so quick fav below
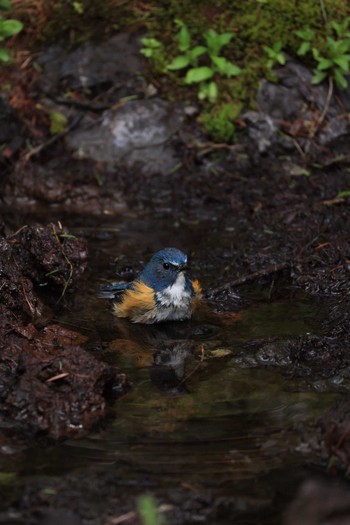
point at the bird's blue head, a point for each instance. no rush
(164, 268)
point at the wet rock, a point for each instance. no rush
(115, 64)
(137, 135)
(276, 353)
(286, 99)
(261, 129)
(319, 503)
(260, 353)
(264, 135)
(296, 106)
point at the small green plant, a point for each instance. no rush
(204, 75)
(343, 194)
(275, 55)
(150, 46)
(78, 8)
(8, 27)
(333, 61)
(154, 51)
(148, 510)
(307, 36)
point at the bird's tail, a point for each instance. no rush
(110, 291)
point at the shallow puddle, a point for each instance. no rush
(198, 416)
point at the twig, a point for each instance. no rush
(326, 106)
(324, 12)
(51, 141)
(66, 283)
(58, 376)
(31, 307)
(251, 276)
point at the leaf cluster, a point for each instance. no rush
(214, 65)
(204, 63)
(334, 60)
(8, 27)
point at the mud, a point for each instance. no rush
(50, 385)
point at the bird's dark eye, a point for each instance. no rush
(166, 266)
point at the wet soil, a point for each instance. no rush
(50, 386)
(228, 413)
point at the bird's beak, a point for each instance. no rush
(182, 267)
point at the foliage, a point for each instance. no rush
(8, 27)
(154, 50)
(275, 55)
(148, 511)
(58, 122)
(204, 74)
(333, 60)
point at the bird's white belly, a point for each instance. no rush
(174, 302)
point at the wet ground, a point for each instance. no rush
(222, 421)
(233, 417)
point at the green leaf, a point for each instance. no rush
(152, 43)
(196, 52)
(304, 48)
(316, 54)
(225, 67)
(146, 52)
(203, 91)
(58, 122)
(148, 510)
(220, 63)
(225, 38)
(306, 34)
(343, 62)
(281, 59)
(4, 55)
(179, 63)
(5, 5)
(318, 77)
(10, 27)
(212, 91)
(324, 63)
(213, 42)
(198, 74)
(342, 194)
(277, 46)
(184, 37)
(78, 7)
(340, 80)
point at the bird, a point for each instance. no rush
(163, 291)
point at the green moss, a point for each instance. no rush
(83, 20)
(218, 121)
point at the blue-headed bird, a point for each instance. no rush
(163, 291)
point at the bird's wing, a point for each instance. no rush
(111, 291)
